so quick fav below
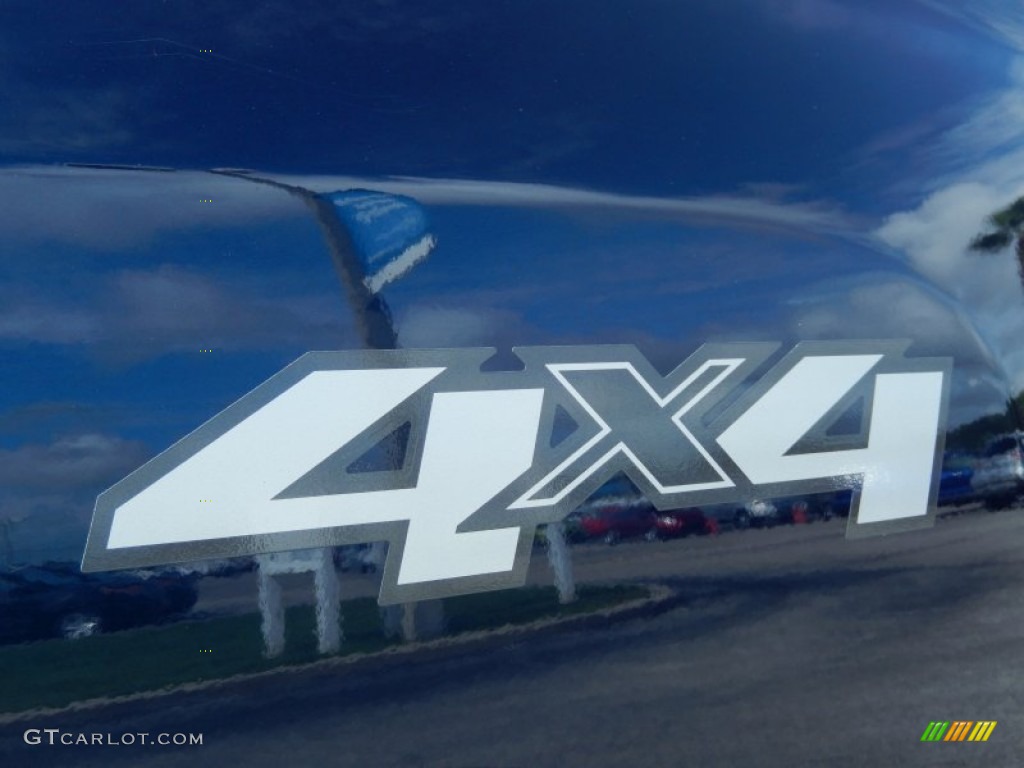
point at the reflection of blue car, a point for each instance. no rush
(956, 486)
(56, 599)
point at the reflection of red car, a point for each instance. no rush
(681, 522)
(617, 522)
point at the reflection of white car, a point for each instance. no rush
(78, 625)
(999, 473)
(756, 513)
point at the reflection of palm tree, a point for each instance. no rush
(1007, 226)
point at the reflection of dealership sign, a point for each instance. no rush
(456, 466)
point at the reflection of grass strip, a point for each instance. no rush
(490, 610)
(54, 673)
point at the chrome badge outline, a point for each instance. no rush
(696, 436)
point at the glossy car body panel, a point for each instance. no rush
(661, 175)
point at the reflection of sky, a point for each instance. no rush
(665, 98)
(657, 174)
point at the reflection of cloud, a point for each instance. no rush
(994, 126)
(361, 23)
(37, 320)
(945, 139)
(815, 15)
(116, 209)
(45, 413)
(70, 463)
(997, 18)
(935, 238)
(142, 313)
(894, 144)
(433, 326)
(120, 209)
(886, 24)
(884, 307)
(983, 158)
(62, 120)
(48, 490)
(735, 209)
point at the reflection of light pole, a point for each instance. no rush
(560, 561)
(377, 331)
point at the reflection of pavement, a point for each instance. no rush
(593, 562)
(789, 647)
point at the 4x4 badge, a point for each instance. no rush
(475, 459)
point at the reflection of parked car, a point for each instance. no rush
(817, 506)
(756, 514)
(219, 569)
(613, 523)
(56, 599)
(836, 504)
(792, 509)
(674, 523)
(572, 529)
(999, 473)
(356, 557)
(956, 485)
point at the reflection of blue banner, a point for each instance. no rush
(390, 232)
